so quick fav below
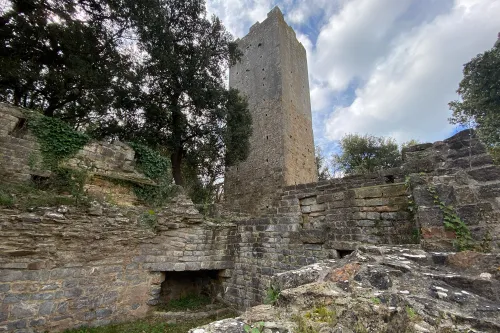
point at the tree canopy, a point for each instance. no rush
(149, 71)
(366, 153)
(479, 91)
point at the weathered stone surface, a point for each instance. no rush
(422, 297)
(282, 145)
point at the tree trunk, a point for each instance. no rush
(177, 130)
(176, 159)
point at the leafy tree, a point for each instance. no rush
(61, 57)
(367, 153)
(410, 143)
(147, 71)
(321, 164)
(180, 101)
(479, 91)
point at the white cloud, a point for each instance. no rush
(354, 39)
(407, 92)
(385, 67)
(239, 15)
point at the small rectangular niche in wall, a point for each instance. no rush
(344, 253)
(178, 285)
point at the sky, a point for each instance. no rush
(379, 67)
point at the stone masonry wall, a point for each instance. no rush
(317, 221)
(20, 155)
(272, 74)
(463, 174)
(65, 267)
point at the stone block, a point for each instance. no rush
(488, 191)
(317, 208)
(312, 236)
(365, 223)
(308, 201)
(489, 173)
(46, 308)
(394, 190)
(180, 267)
(372, 215)
(23, 310)
(7, 275)
(103, 313)
(368, 192)
(430, 216)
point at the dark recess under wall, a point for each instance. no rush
(187, 283)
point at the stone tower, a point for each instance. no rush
(273, 75)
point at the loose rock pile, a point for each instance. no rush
(381, 289)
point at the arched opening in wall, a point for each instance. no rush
(260, 44)
(202, 285)
(389, 179)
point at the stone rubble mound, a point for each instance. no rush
(381, 289)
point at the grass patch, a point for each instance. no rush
(150, 325)
(29, 195)
(189, 302)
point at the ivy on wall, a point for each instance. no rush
(453, 222)
(58, 141)
(156, 167)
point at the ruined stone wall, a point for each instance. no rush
(20, 156)
(272, 74)
(317, 221)
(66, 267)
(464, 177)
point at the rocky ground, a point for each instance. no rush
(381, 289)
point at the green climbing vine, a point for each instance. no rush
(412, 209)
(58, 142)
(57, 139)
(453, 222)
(156, 167)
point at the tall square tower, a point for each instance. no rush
(273, 75)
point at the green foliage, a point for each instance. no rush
(150, 325)
(302, 326)
(412, 209)
(367, 153)
(273, 293)
(58, 142)
(188, 302)
(150, 219)
(156, 167)
(453, 222)
(479, 104)
(61, 57)
(321, 165)
(166, 88)
(179, 99)
(254, 328)
(376, 300)
(6, 199)
(57, 139)
(29, 196)
(411, 313)
(322, 314)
